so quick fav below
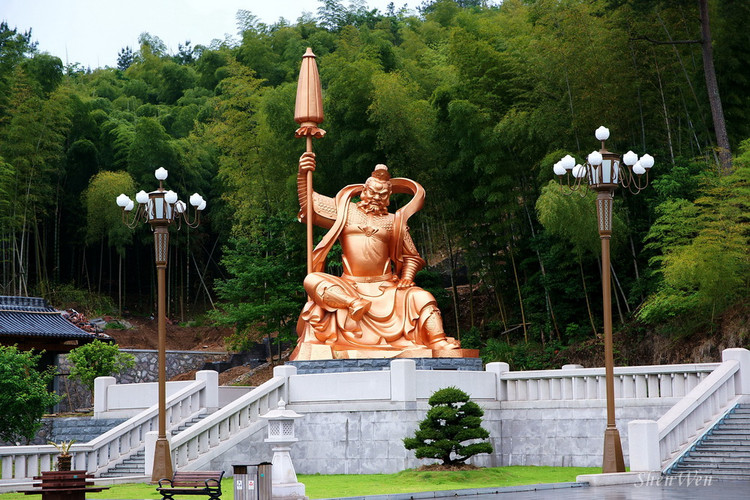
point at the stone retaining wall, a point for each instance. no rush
(145, 370)
(333, 440)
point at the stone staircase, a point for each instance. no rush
(80, 429)
(723, 452)
(135, 464)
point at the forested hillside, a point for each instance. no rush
(475, 102)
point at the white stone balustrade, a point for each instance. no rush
(196, 446)
(631, 382)
(96, 456)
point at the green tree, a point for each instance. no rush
(104, 218)
(24, 396)
(451, 420)
(701, 250)
(98, 359)
(263, 296)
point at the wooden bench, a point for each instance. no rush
(64, 485)
(192, 483)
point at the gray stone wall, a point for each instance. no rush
(336, 441)
(377, 364)
(145, 370)
(81, 429)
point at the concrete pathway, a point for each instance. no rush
(695, 489)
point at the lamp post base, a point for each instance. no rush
(162, 461)
(613, 461)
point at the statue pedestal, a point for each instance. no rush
(379, 364)
(308, 352)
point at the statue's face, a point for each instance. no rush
(376, 194)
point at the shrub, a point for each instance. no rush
(451, 420)
(97, 359)
(24, 397)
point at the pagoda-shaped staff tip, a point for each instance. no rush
(308, 109)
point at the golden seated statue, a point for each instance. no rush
(373, 310)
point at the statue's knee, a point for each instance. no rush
(311, 283)
(423, 299)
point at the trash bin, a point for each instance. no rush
(252, 482)
(264, 484)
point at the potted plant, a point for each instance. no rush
(64, 458)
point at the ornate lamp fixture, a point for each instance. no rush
(160, 209)
(603, 172)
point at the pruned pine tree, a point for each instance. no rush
(451, 421)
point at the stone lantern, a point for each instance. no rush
(281, 436)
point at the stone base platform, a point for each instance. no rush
(307, 351)
(377, 364)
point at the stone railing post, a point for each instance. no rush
(742, 356)
(285, 371)
(643, 444)
(498, 368)
(210, 401)
(101, 385)
(403, 380)
(150, 444)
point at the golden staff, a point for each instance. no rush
(308, 113)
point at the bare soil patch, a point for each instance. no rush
(144, 335)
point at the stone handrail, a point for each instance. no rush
(195, 446)
(102, 453)
(688, 417)
(656, 444)
(658, 381)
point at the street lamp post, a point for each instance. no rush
(603, 171)
(160, 209)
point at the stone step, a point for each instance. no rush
(732, 423)
(189, 424)
(719, 453)
(715, 459)
(728, 426)
(133, 461)
(726, 440)
(720, 449)
(706, 478)
(724, 467)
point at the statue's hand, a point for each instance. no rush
(404, 283)
(307, 162)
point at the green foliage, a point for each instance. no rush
(451, 420)
(104, 216)
(474, 100)
(67, 296)
(24, 397)
(702, 247)
(98, 359)
(63, 447)
(263, 296)
(522, 355)
(471, 339)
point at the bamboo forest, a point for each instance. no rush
(475, 101)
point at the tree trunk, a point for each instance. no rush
(666, 114)
(453, 276)
(520, 298)
(547, 297)
(586, 294)
(119, 284)
(712, 87)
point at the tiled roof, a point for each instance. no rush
(34, 317)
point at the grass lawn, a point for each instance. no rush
(409, 481)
